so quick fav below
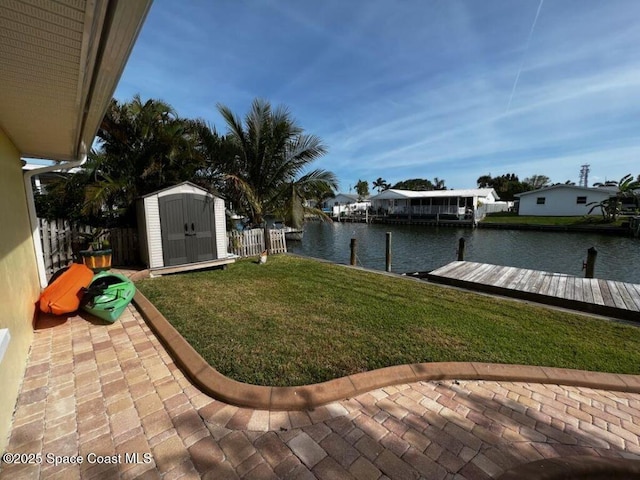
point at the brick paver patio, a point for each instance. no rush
(102, 393)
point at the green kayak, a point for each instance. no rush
(108, 295)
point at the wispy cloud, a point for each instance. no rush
(414, 88)
(526, 49)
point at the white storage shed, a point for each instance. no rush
(182, 228)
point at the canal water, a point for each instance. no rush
(423, 248)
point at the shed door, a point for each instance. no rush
(174, 229)
(188, 234)
(201, 245)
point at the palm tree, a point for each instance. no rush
(144, 146)
(438, 184)
(266, 174)
(611, 207)
(380, 184)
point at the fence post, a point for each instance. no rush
(590, 265)
(353, 251)
(388, 253)
(267, 238)
(461, 249)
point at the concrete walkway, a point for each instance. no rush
(102, 393)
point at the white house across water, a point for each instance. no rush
(562, 200)
(445, 204)
(345, 204)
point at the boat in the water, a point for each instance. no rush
(108, 295)
(65, 290)
(291, 233)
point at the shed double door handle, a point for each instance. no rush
(186, 229)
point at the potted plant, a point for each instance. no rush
(97, 256)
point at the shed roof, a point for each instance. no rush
(61, 62)
(177, 185)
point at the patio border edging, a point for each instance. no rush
(221, 387)
(579, 466)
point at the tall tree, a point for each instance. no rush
(142, 146)
(537, 181)
(417, 184)
(362, 189)
(506, 185)
(267, 174)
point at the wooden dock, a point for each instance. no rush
(602, 297)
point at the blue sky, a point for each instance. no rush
(413, 89)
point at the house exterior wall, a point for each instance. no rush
(560, 202)
(19, 281)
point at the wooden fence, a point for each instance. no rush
(250, 243)
(56, 237)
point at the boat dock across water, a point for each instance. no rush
(592, 295)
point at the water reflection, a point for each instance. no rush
(421, 248)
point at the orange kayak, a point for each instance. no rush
(63, 295)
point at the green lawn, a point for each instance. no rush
(514, 218)
(295, 321)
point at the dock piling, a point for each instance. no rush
(388, 253)
(590, 264)
(461, 249)
(353, 251)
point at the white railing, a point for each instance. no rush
(250, 243)
(434, 210)
(425, 210)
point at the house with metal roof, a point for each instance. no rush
(426, 204)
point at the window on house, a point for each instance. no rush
(581, 200)
(540, 200)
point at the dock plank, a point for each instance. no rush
(476, 272)
(635, 298)
(553, 285)
(539, 280)
(517, 278)
(562, 285)
(546, 283)
(577, 291)
(605, 292)
(617, 297)
(521, 285)
(457, 268)
(636, 292)
(495, 274)
(447, 269)
(587, 292)
(569, 289)
(626, 298)
(597, 295)
(509, 273)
